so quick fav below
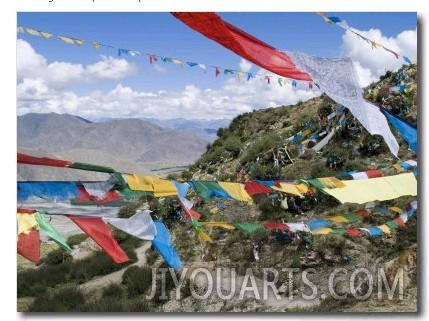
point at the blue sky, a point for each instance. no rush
(55, 76)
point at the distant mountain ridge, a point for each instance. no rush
(204, 128)
(128, 140)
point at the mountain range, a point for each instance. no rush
(123, 144)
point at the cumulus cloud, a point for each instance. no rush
(372, 62)
(28, 62)
(64, 75)
(245, 65)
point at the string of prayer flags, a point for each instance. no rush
(154, 58)
(343, 24)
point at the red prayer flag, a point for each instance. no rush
(253, 188)
(362, 213)
(372, 173)
(25, 210)
(110, 196)
(45, 161)
(276, 225)
(102, 235)
(213, 27)
(191, 213)
(352, 232)
(399, 221)
(217, 72)
(28, 246)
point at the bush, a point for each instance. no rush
(56, 257)
(187, 175)
(99, 263)
(261, 146)
(113, 290)
(137, 280)
(269, 208)
(76, 239)
(65, 300)
(321, 170)
(334, 242)
(34, 282)
(264, 172)
(325, 110)
(232, 145)
(260, 235)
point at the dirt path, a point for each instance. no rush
(116, 277)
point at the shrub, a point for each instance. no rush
(65, 300)
(187, 175)
(137, 280)
(34, 282)
(99, 263)
(334, 242)
(269, 208)
(264, 172)
(113, 290)
(233, 145)
(76, 239)
(325, 110)
(260, 235)
(56, 257)
(321, 170)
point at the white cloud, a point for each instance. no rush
(44, 87)
(64, 75)
(110, 68)
(28, 62)
(372, 62)
(245, 65)
(159, 68)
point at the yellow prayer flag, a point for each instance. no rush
(338, 219)
(396, 209)
(323, 230)
(380, 188)
(240, 74)
(202, 236)
(164, 187)
(236, 191)
(218, 224)
(26, 222)
(138, 182)
(46, 35)
(288, 189)
(66, 39)
(32, 32)
(384, 228)
(331, 182)
(302, 188)
(179, 62)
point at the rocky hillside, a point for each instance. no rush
(245, 151)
